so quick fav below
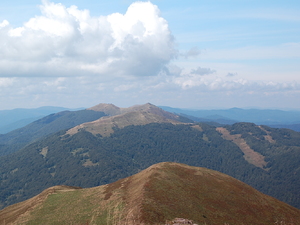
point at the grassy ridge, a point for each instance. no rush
(160, 193)
(84, 206)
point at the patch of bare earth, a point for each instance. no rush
(250, 155)
(44, 152)
(134, 187)
(267, 137)
(197, 127)
(89, 163)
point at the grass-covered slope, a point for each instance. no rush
(123, 117)
(156, 195)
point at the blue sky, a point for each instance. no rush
(187, 54)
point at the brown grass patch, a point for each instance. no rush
(250, 155)
(268, 137)
(161, 193)
(105, 125)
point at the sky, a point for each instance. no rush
(198, 54)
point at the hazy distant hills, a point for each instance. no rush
(156, 195)
(52, 123)
(104, 149)
(274, 118)
(16, 118)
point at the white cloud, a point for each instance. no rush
(66, 57)
(6, 82)
(202, 71)
(201, 83)
(4, 23)
(69, 42)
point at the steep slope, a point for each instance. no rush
(156, 195)
(250, 155)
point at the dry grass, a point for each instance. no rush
(22, 210)
(268, 137)
(250, 155)
(158, 194)
(105, 125)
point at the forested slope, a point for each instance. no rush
(88, 160)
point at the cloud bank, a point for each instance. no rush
(69, 42)
(66, 57)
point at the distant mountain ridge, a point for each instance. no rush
(234, 115)
(156, 195)
(52, 123)
(16, 118)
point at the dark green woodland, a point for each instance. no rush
(88, 160)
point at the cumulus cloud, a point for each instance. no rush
(202, 71)
(217, 84)
(68, 41)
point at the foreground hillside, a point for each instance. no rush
(156, 195)
(130, 140)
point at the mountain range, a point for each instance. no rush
(164, 193)
(273, 118)
(16, 139)
(105, 143)
(17, 118)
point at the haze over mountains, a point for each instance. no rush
(273, 118)
(105, 143)
(17, 118)
(52, 123)
(156, 195)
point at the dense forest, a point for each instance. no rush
(88, 160)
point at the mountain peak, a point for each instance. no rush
(122, 117)
(112, 110)
(108, 109)
(168, 190)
